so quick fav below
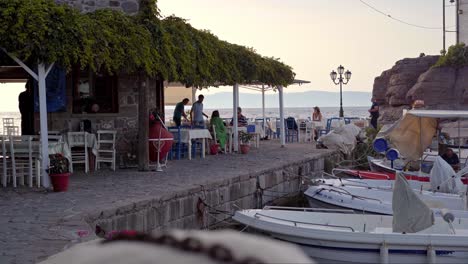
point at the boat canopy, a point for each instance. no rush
(439, 113)
(414, 132)
(410, 213)
(412, 135)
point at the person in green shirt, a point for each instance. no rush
(220, 129)
(179, 112)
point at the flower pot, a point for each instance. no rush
(214, 149)
(244, 148)
(60, 181)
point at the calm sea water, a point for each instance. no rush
(299, 112)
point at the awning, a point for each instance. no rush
(175, 93)
(439, 113)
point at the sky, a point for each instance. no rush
(313, 37)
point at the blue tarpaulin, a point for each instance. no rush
(55, 91)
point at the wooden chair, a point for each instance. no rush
(106, 148)
(25, 160)
(78, 143)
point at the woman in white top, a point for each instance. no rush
(317, 120)
(317, 115)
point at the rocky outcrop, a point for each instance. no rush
(412, 79)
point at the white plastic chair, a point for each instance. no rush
(11, 130)
(7, 122)
(78, 143)
(106, 148)
(5, 163)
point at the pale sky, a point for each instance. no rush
(312, 36)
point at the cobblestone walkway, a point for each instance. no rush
(35, 224)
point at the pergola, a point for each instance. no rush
(41, 75)
(263, 88)
(163, 49)
(260, 87)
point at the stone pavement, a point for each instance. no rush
(35, 224)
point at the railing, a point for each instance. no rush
(304, 223)
(306, 209)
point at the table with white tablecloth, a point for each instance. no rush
(186, 136)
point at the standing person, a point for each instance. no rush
(220, 129)
(179, 112)
(196, 113)
(374, 111)
(26, 107)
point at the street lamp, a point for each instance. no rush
(341, 81)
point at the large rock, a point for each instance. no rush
(413, 79)
(392, 86)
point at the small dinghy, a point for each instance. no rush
(375, 196)
(370, 196)
(412, 235)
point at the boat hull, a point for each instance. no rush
(368, 198)
(329, 243)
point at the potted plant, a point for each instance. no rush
(59, 172)
(244, 139)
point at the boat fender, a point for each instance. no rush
(447, 215)
(380, 145)
(392, 154)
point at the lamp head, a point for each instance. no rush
(340, 69)
(333, 75)
(347, 75)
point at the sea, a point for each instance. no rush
(250, 113)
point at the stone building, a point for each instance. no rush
(127, 6)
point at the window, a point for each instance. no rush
(94, 92)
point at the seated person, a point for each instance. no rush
(220, 129)
(451, 158)
(241, 119)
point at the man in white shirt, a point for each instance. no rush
(196, 113)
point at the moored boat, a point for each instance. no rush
(375, 196)
(357, 238)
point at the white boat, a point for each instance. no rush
(358, 238)
(375, 196)
(444, 191)
(411, 235)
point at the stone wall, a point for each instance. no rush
(128, 6)
(194, 207)
(125, 122)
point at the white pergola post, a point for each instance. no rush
(40, 77)
(263, 107)
(42, 74)
(281, 106)
(235, 130)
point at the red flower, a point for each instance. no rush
(152, 117)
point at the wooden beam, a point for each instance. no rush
(143, 122)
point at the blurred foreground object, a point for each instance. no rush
(181, 247)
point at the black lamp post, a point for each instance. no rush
(340, 81)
